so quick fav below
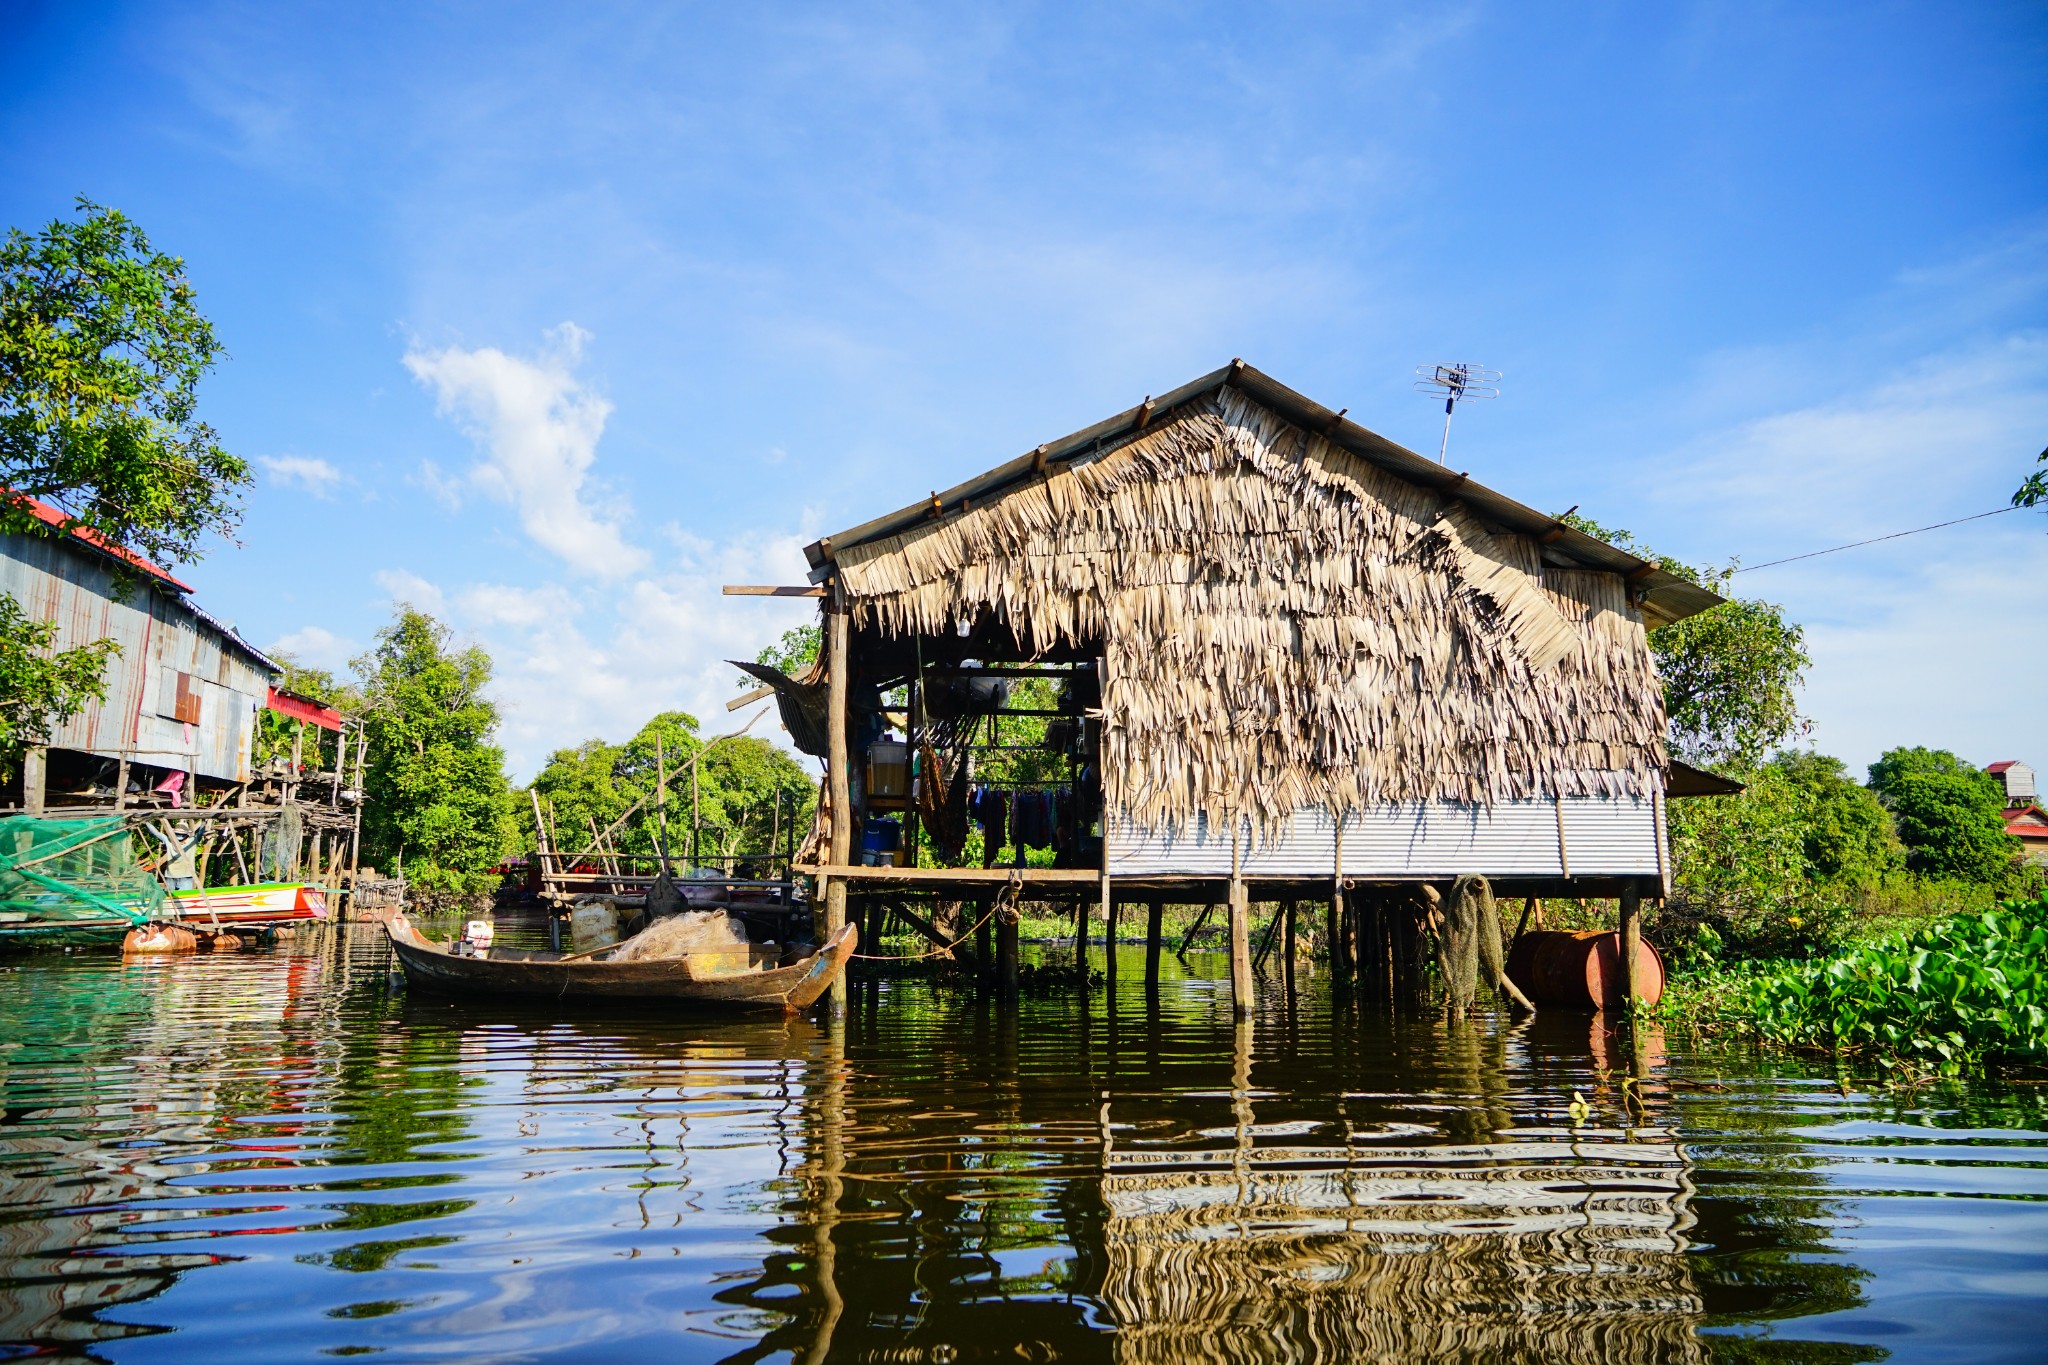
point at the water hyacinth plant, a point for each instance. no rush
(1943, 998)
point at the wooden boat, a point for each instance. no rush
(760, 976)
(258, 903)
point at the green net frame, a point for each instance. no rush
(58, 872)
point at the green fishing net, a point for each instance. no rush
(59, 873)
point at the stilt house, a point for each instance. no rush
(1302, 650)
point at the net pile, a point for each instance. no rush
(710, 931)
(60, 873)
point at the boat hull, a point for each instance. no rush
(727, 981)
(263, 903)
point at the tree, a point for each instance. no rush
(1849, 835)
(40, 690)
(276, 731)
(1950, 814)
(2033, 490)
(101, 353)
(796, 651)
(436, 790)
(1731, 674)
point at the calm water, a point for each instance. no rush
(272, 1157)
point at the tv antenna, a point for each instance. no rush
(1455, 384)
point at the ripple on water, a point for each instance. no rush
(269, 1156)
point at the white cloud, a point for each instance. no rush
(402, 585)
(538, 426)
(316, 646)
(314, 475)
(573, 663)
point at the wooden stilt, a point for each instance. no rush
(839, 786)
(1110, 906)
(1006, 955)
(1341, 960)
(1287, 944)
(1240, 934)
(1631, 943)
(1155, 910)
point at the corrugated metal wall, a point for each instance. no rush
(1594, 836)
(159, 640)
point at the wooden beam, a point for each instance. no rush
(933, 876)
(758, 590)
(748, 700)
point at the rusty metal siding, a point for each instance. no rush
(156, 630)
(1602, 837)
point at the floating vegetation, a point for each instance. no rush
(1941, 999)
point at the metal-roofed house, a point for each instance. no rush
(1296, 654)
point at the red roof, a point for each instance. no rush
(303, 708)
(2001, 765)
(2027, 822)
(50, 516)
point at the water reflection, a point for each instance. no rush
(270, 1157)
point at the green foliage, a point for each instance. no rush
(795, 652)
(738, 781)
(1731, 674)
(41, 690)
(1949, 814)
(1944, 997)
(101, 354)
(436, 784)
(2033, 490)
(275, 731)
(1849, 834)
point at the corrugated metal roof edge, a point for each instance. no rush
(227, 633)
(1664, 594)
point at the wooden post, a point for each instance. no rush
(121, 785)
(1631, 943)
(1006, 955)
(1109, 909)
(1288, 909)
(1341, 960)
(34, 778)
(838, 775)
(696, 820)
(1240, 930)
(1155, 911)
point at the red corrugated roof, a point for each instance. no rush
(2027, 822)
(303, 708)
(50, 516)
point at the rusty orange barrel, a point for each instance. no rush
(1580, 971)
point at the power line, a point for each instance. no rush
(1815, 554)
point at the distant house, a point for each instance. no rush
(2029, 825)
(2018, 779)
(181, 697)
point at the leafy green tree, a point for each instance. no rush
(437, 793)
(1950, 814)
(101, 353)
(1849, 835)
(1731, 674)
(2033, 490)
(796, 651)
(41, 690)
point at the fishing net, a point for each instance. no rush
(55, 873)
(681, 935)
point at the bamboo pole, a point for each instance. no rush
(1155, 911)
(837, 758)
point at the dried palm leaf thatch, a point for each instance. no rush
(1287, 626)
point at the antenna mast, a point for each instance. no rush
(1455, 384)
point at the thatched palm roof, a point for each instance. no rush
(1292, 615)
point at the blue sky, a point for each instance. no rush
(554, 318)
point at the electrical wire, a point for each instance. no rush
(1815, 554)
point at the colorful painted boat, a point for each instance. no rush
(260, 903)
